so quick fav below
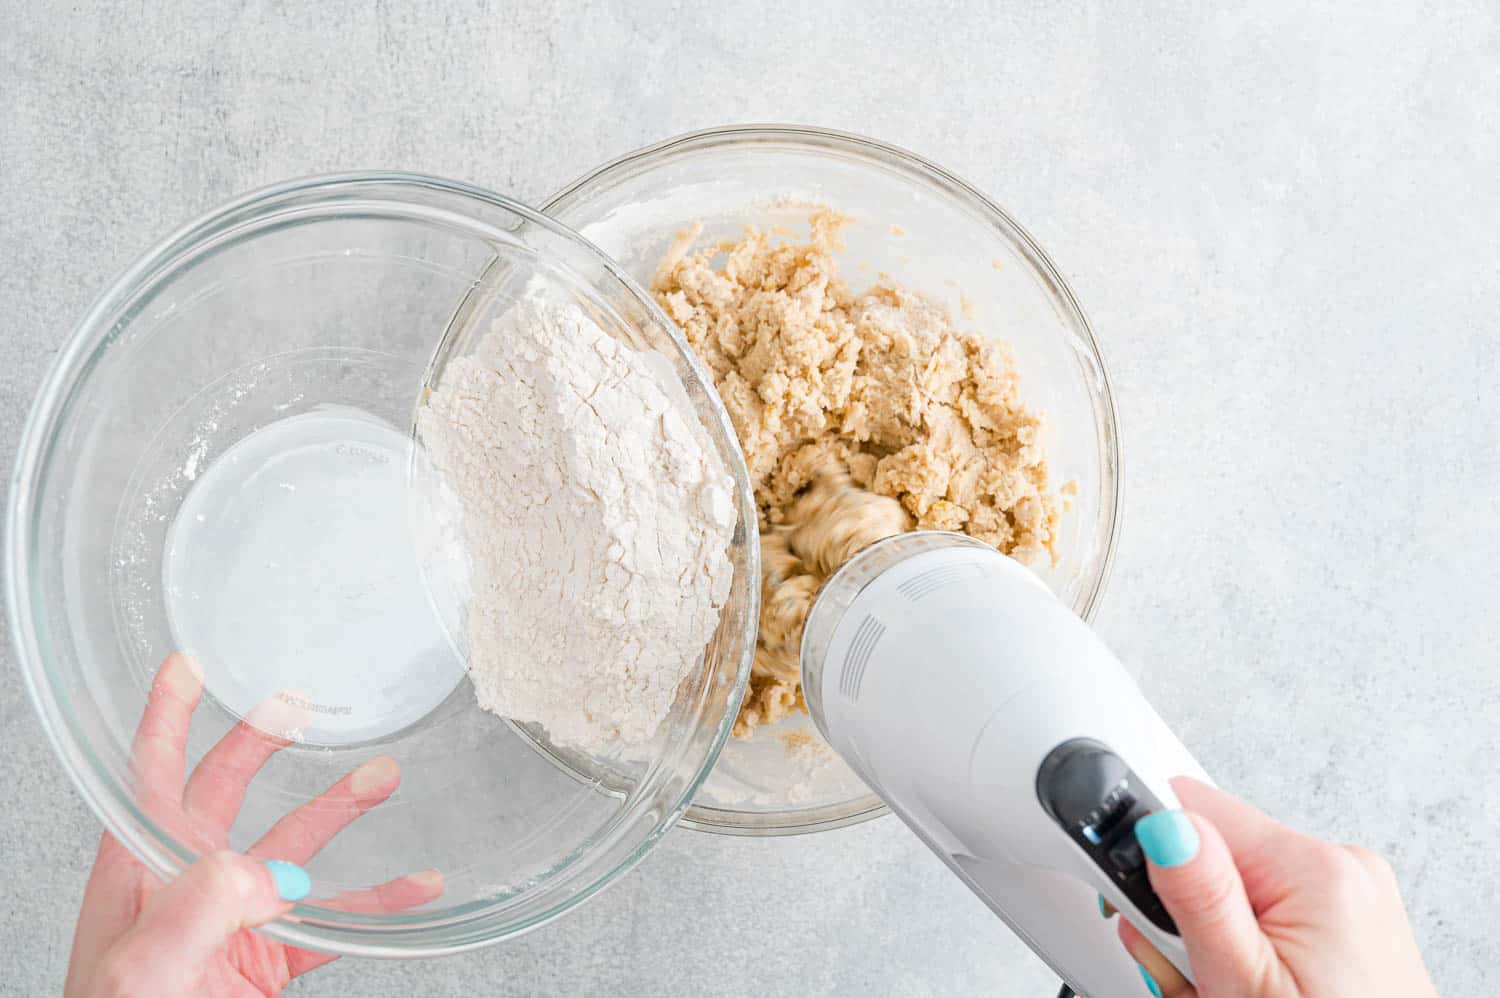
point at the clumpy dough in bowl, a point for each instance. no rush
(861, 415)
(914, 237)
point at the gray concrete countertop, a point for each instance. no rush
(1283, 218)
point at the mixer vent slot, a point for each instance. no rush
(928, 582)
(866, 637)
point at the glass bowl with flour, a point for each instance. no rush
(576, 521)
(222, 462)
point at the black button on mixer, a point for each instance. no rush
(1135, 885)
(1096, 798)
(1126, 854)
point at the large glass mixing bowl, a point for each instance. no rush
(929, 231)
(233, 416)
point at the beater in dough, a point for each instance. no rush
(860, 417)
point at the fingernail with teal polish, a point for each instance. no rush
(1103, 911)
(292, 882)
(1168, 837)
(1150, 981)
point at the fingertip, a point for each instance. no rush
(182, 677)
(191, 664)
(1151, 984)
(292, 881)
(426, 885)
(427, 880)
(1158, 973)
(282, 717)
(159, 748)
(376, 778)
(1190, 782)
(1169, 838)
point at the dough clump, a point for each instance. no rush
(861, 416)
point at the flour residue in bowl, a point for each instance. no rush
(596, 522)
(860, 415)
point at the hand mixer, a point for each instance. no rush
(999, 727)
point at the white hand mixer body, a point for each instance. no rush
(999, 727)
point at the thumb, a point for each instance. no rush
(1194, 874)
(185, 922)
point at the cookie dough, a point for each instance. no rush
(861, 416)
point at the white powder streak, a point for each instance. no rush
(596, 521)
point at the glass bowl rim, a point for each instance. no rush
(75, 361)
(850, 145)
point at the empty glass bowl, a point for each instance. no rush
(216, 463)
(929, 231)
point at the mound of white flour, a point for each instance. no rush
(596, 524)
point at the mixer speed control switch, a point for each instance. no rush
(1126, 853)
(1096, 799)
